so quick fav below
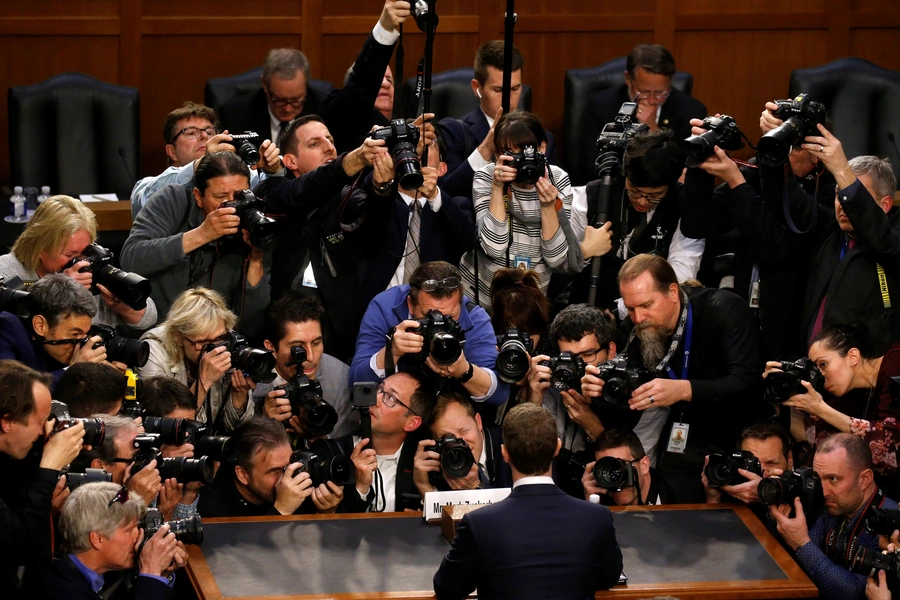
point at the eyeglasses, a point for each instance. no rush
(121, 497)
(192, 133)
(635, 195)
(282, 102)
(430, 285)
(647, 95)
(80, 341)
(120, 459)
(199, 344)
(589, 356)
(390, 400)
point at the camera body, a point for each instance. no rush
(779, 387)
(134, 353)
(401, 138)
(325, 461)
(566, 371)
(178, 431)
(614, 474)
(801, 118)
(246, 145)
(187, 531)
(258, 364)
(262, 230)
(182, 469)
(94, 428)
(13, 297)
(76, 480)
(130, 288)
(529, 165)
(444, 338)
(614, 138)
(620, 379)
(723, 469)
(513, 359)
(721, 131)
(307, 403)
(799, 483)
(456, 456)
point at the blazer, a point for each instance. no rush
(63, 580)
(250, 112)
(537, 543)
(16, 344)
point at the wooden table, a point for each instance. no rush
(112, 216)
(286, 557)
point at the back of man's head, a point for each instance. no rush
(292, 307)
(284, 63)
(186, 111)
(56, 296)
(258, 435)
(434, 271)
(90, 508)
(530, 439)
(879, 170)
(620, 438)
(17, 385)
(652, 159)
(659, 268)
(491, 55)
(859, 456)
(90, 388)
(651, 57)
(579, 320)
(161, 396)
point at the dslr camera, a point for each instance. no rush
(620, 379)
(456, 456)
(182, 469)
(94, 428)
(246, 145)
(723, 470)
(178, 431)
(130, 288)
(529, 165)
(721, 131)
(13, 297)
(134, 353)
(614, 138)
(882, 521)
(868, 561)
(262, 230)
(76, 480)
(615, 474)
(513, 360)
(317, 416)
(444, 338)
(325, 461)
(801, 117)
(187, 531)
(258, 364)
(401, 138)
(779, 387)
(566, 371)
(799, 483)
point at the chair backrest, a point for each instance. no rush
(451, 94)
(580, 84)
(220, 90)
(75, 133)
(863, 100)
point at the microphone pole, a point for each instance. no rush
(509, 23)
(429, 52)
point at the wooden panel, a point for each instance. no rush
(374, 7)
(59, 8)
(876, 45)
(577, 7)
(873, 5)
(765, 7)
(206, 8)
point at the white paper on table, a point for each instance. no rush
(98, 197)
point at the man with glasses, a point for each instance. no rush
(649, 69)
(388, 339)
(649, 486)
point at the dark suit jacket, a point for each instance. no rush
(462, 136)
(538, 543)
(63, 580)
(676, 113)
(16, 344)
(250, 112)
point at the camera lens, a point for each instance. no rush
(130, 288)
(564, 378)
(248, 152)
(217, 447)
(342, 470)
(171, 430)
(94, 431)
(444, 348)
(134, 353)
(74, 480)
(616, 391)
(720, 471)
(775, 146)
(186, 470)
(882, 521)
(407, 168)
(319, 418)
(259, 364)
(612, 473)
(779, 387)
(456, 459)
(188, 531)
(773, 491)
(512, 361)
(698, 148)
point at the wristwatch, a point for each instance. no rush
(384, 189)
(465, 377)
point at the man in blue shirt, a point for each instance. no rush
(844, 463)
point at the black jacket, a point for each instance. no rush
(250, 112)
(63, 580)
(221, 498)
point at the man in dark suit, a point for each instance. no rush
(537, 543)
(648, 81)
(470, 140)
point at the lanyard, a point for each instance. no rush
(835, 548)
(845, 244)
(688, 335)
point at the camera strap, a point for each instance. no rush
(786, 209)
(843, 550)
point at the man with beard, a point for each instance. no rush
(702, 350)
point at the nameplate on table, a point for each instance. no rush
(435, 501)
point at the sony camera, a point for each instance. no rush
(325, 461)
(779, 387)
(187, 531)
(513, 360)
(615, 474)
(130, 288)
(317, 416)
(94, 428)
(723, 469)
(614, 138)
(134, 353)
(801, 117)
(721, 131)
(182, 469)
(75, 480)
(246, 145)
(258, 364)
(444, 338)
(401, 138)
(566, 371)
(262, 230)
(456, 456)
(177, 431)
(529, 165)
(620, 379)
(799, 483)
(13, 297)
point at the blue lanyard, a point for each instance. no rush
(689, 330)
(845, 245)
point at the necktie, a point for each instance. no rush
(412, 241)
(281, 127)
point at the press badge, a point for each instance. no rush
(754, 295)
(309, 279)
(678, 438)
(523, 262)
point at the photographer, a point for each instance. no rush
(454, 417)
(32, 483)
(702, 348)
(179, 349)
(91, 388)
(265, 481)
(56, 334)
(648, 486)
(844, 464)
(395, 314)
(102, 541)
(60, 230)
(181, 238)
(295, 321)
(521, 219)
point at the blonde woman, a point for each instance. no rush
(61, 228)
(197, 318)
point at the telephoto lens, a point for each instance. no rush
(187, 531)
(868, 561)
(217, 447)
(75, 480)
(174, 431)
(186, 470)
(94, 428)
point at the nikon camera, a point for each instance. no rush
(134, 353)
(529, 165)
(620, 379)
(317, 417)
(801, 117)
(723, 470)
(721, 131)
(130, 288)
(779, 387)
(258, 364)
(456, 456)
(444, 338)
(262, 230)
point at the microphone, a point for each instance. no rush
(125, 164)
(890, 136)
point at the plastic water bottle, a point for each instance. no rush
(17, 210)
(31, 203)
(45, 193)
(594, 498)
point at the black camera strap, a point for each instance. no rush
(841, 549)
(786, 209)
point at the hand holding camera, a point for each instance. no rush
(504, 172)
(327, 496)
(85, 278)
(383, 169)
(589, 482)
(219, 223)
(717, 164)
(660, 392)
(93, 351)
(425, 462)
(547, 192)
(429, 187)
(538, 377)
(581, 413)
(146, 483)
(830, 151)
(405, 340)
(158, 552)
(292, 489)
(767, 120)
(240, 388)
(794, 530)
(169, 496)
(365, 462)
(63, 446)
(277, 405)
(213, 365)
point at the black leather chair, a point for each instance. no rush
(75, 133)
(581, 83)
(864, 102)
(451, 94)
(221, 90)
